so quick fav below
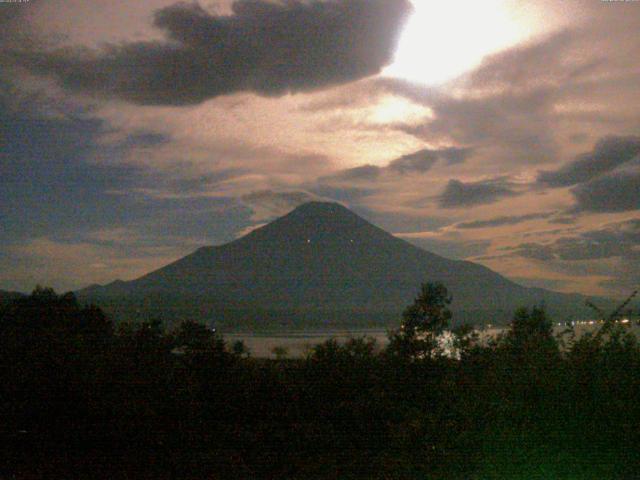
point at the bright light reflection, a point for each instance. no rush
(444, 39)
(395, 109)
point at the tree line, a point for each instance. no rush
(84, 398)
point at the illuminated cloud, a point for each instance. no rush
(618, 242)
(208, 142)
(263, 47)
(410, 164)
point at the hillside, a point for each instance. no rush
(320, 264)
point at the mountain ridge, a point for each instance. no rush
(320, 257)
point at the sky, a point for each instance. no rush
(503, 132)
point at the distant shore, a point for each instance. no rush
(297, 343)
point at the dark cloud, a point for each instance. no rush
(144, 139)
(457, 250)
(418, 162)
(399, 222)
(505, 220)
(177, 180)
(413, 163)
(459, 194)
(617, 192)
(50, 186)
(341, 194)
(563, 219)
(553, 231)
(423, 160)
(608, 154)
(612, 251)
(511, 110)
(363, 172)
(607, 179)
(454, 156)
(288, 198)
(55, 185)
(268, 204)
(270, 48)
(534, 251)
(207, 220)
(515, 124)
(585, 248)
(616, 240)
(625, 234)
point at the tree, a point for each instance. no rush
(52, 358)
(240, 349)
(280, 352)
(42, 318)
(353, 351)
(196, 339)
(422, 323)
(534, 323)
(530, 340)
(610, 322)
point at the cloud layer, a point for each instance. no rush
(607, 179)
(524, 155)
(586, 251)
(608, 154)
(263, 47)
(459, 194)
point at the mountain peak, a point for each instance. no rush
(322, 211)
(326, 221)
(319, 260)
(321, 207)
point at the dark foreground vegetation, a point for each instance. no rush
(81, 398)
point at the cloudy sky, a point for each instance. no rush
(505, 132)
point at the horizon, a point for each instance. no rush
(300, 208)
(504, 133)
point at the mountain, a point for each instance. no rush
(321, 264)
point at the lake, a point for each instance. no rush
(298, 343)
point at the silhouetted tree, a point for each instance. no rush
(530, 327)
(422, 323)
(332, 354)
(465, 340)
(280, 352)
(530, 344)
(74, 396)
(240, 349)
(196, 337)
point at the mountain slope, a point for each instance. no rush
(321, 257)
